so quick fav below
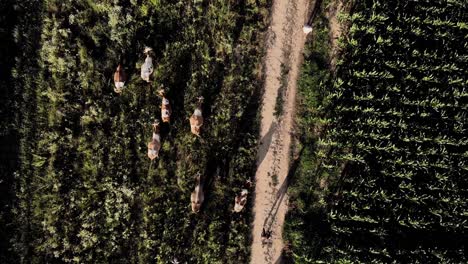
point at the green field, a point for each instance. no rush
(378, 166)
(385, 138)
(77, 185)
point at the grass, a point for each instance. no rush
(279, 106)
(274, 179)
(305, 193)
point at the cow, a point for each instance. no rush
(197, 196)
(196, 120)
(241, 198)
(240, 201)
(147, 67)
(155, 144)
(166, 109)
(119, 79)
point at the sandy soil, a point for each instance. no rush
(336, 30)
(285, 43)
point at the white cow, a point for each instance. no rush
(147, 67)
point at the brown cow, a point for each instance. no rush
(166, 109)
(119, 79)
(196, 120)
(155, 144)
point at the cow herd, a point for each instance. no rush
(196, 122)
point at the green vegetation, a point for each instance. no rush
(84, 189)
(8, 133)
(304, 222)
(279, 105)
(381, 176)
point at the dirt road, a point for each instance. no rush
(285, 43)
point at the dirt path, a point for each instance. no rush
(284, 55)
(335, 29)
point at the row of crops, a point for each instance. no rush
(386, 139)
(78, 186)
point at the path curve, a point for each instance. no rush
(285, 43)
